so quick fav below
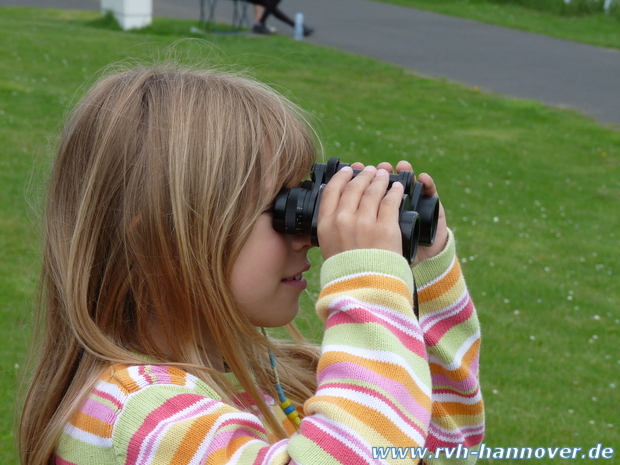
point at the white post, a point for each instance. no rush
(130, 14)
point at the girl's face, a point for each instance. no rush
(267, 276)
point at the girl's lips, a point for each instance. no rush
(297, 281)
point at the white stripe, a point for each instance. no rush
(378, 405)
(458, 356)
(405, 323)
(448, 397)
(431, 319)
(333, 431)
(201, 453)
(87, 437)
(278, 451)
(139, 379)
(196, 410)
(382, 356)
(457, 435)
(112, 390)
(430, 283)
(359, 275)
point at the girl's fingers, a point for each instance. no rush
(429, 184)
(403, 166)
(385, 166)
(374, 194)
(355, 189)
(330, 198)
(389, 210)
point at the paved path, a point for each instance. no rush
(515, 63)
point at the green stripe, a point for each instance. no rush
(431, 268)
(364, 261)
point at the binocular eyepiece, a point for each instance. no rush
(296, 210)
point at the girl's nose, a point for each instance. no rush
(298, 243)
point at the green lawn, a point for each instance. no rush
(532, 193)
(595, 29)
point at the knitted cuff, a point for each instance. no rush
(432, 268)
(366, 261)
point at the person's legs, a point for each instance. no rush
(271, 7)
(259, 10)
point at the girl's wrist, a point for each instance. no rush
(434, 266)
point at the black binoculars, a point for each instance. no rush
(296, 210)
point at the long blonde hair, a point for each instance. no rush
(159, 177)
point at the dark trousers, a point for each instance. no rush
(271, 8)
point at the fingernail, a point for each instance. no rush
(397, 183)
(381, 172)
(346, 168)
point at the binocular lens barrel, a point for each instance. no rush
(295, 211)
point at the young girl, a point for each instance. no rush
(161, 264)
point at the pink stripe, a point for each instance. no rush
(459, 387)
(343, 370)
(169, 408)
(337, 449)
(460, 435)
(327, 424)
(468, 441)
(260, 457)
(421, 413)
(427, 321)
(60, 461)
(434, 335)
(430, 319)
(243, 427)
(161, 374)
(360, 316)
(399, 318)
(100, 411)
(142, 371)
(109, 397)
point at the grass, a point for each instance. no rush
(531, 192)
(595, 29)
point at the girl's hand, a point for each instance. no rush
(356, 213)
(441, 238)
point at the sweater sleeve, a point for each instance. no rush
(373, 377)
(452, 335)
(374, 390)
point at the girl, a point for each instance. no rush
(160, 262)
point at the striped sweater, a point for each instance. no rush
(383, 380)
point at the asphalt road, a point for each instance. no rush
(524, 65)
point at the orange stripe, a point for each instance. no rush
(188, 447)
(388, 370)
(461, 372)
(124, 382)
(371, 418)
(442, 286)
(177, 376)
(450, 409)
(92, 425)
(374, 281)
